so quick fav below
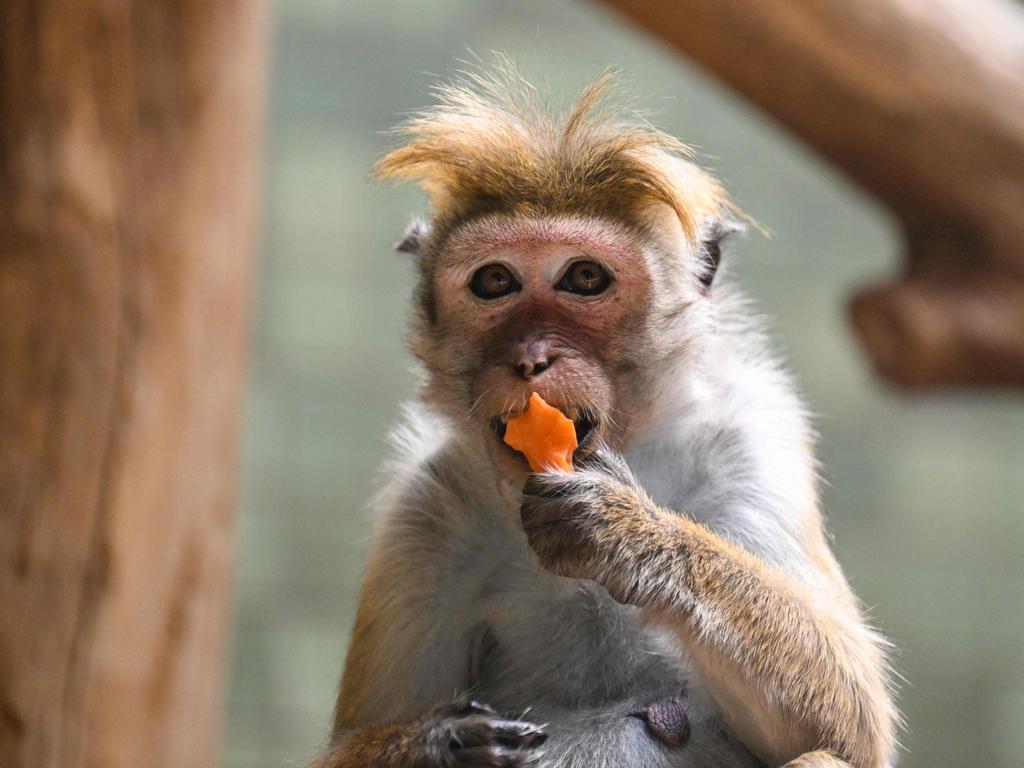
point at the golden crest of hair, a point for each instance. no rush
(490, 144)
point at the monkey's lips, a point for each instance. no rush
(584, 423)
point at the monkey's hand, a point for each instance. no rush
(462, 734)
(467, 733)
(586, 524)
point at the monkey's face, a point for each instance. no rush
(558, 306)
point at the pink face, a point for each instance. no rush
(541, 305)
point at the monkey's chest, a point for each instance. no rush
(568, 640)
(610, 689)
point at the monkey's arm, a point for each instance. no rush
(793, 673)
(408, 654)
(389, 745)
(379, 718)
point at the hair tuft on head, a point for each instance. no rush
(491, 145)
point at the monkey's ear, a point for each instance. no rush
(415, 237)
(715, 238)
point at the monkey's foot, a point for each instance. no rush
(467, 734)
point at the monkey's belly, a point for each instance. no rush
(610, 690)
(611, 738)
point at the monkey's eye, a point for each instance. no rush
(586, 278)
(493, 281)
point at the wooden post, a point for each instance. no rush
(922, 103)
(129, 139)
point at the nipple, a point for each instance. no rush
(667, 721)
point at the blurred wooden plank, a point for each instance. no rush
(922, 103)
(129, 141)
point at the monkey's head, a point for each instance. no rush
(574, 259)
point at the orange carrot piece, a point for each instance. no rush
(544, 435)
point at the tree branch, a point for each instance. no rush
(923, 105)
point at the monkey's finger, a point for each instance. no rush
(473, 731)
(549, 485)
(606, 461)
(479, 731)
(546, 523)
(517, 734)
(496, 757)
(463, 706)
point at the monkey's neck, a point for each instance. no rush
(680, 390)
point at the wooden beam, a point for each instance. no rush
(922, 103)
(129, 138)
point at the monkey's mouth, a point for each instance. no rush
(585, 424)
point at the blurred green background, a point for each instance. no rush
(923, 495)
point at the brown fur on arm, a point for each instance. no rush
(790, 675)
(389, 746)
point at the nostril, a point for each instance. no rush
(532, 367)
(531, 358)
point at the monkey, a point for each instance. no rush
(673, 601)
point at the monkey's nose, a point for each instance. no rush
(532, 359)
(530, 368)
